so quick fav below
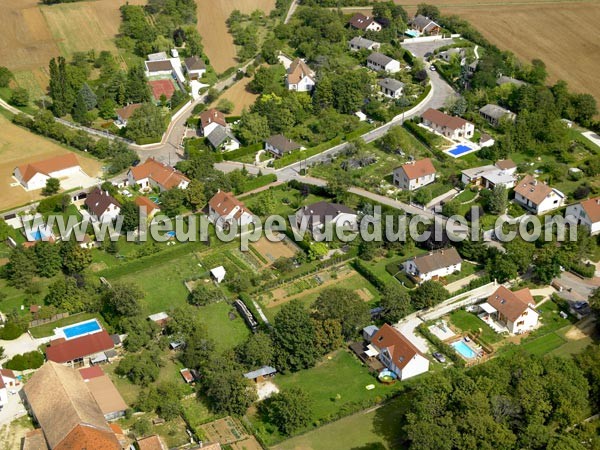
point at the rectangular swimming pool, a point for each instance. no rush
(463, 349)
(79, 329)
(459, 150)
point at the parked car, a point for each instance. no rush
(432, 68)
(441, 358)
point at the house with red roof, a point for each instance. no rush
(102, 206)
(153, 173)
(147, 206)
(34, 175)
(224, 209)
(124, 113)
(74, 351)
(414, 174)
(397, 353)
(451, 127)
(365, 23)
(210, 120)
(585, 213)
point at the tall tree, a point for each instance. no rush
(345, 306)
(289, 410)
(294, 338)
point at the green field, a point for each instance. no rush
(370, 430)
(467, 321)
(333, 386)
(225, 332)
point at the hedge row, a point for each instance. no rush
(243, 151)
(29, 360)
(258, 182)
(361, 268)
(446, 349)
(585, 270)
(426, 137)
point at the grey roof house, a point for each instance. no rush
(494, 113)
(317, 215)
(391, 88)
(222, 139)
(359, 43)
(380, 62)
(280, 145)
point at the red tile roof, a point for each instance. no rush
(146, 202)
(187, 375)
(532, 189)
(81, 347)
(160, 87)
(8, 373)
(444, 120)
(88, 373)
(418, 169)
(225, 202)
(511, 304)
(400, 348)
(48, 166)
(212, 116)
(168, 177)
(150, 443)
(297, 71)
(592, 209)
(86, 437)
(360, 21)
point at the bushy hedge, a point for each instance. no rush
(446, 349)
(421, 134)
(243, 151)
(29, 360)
(11, 331)
(258, 182)
(585, 270)
(299, 155)
(369, 274)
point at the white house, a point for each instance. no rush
(398, 354)
(391, 88)
(586, 213)
(153, 174)
(210, 120)
(536, 196)
(434, 265)
(451, 127)
(7, 379)
(33, 176)
(366, 23)
(222, 139)
(218, 273)
(102, 206)
(503, 172)
(224, 209)
(359, 43)
(195, 67)
(279, 145)
(382, 63)
(514, 311)
(414, 174)
(316, 216)
(300, 77)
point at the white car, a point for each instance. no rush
(432, 68)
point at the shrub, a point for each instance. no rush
(11, 331)
(29, 360)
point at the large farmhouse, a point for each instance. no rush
(33, 176)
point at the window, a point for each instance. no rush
(380, 339)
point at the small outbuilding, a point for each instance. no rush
(218, 273)
(261, 374)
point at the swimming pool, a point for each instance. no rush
(37, 235)
(459, 150)
(464, 350)
(79, 329)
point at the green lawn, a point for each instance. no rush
(467, 269)
(466, 196)
(544, 344)
(467, 321)
(225, 332)
(48, 328)
(379, 429)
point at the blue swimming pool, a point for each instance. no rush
(459, 150)
(463, 349)
(79, 329)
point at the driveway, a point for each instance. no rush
(23, 344)
(407, 327)
(421, 48)
(14, 409)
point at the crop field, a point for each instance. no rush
(239, 96)
(33, 33)
(18, 146)
(563, 35)
(218, 43)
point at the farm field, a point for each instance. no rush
(240, 96)
(14, 152)
(563, 35)
(34, 33)
(218, 43)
